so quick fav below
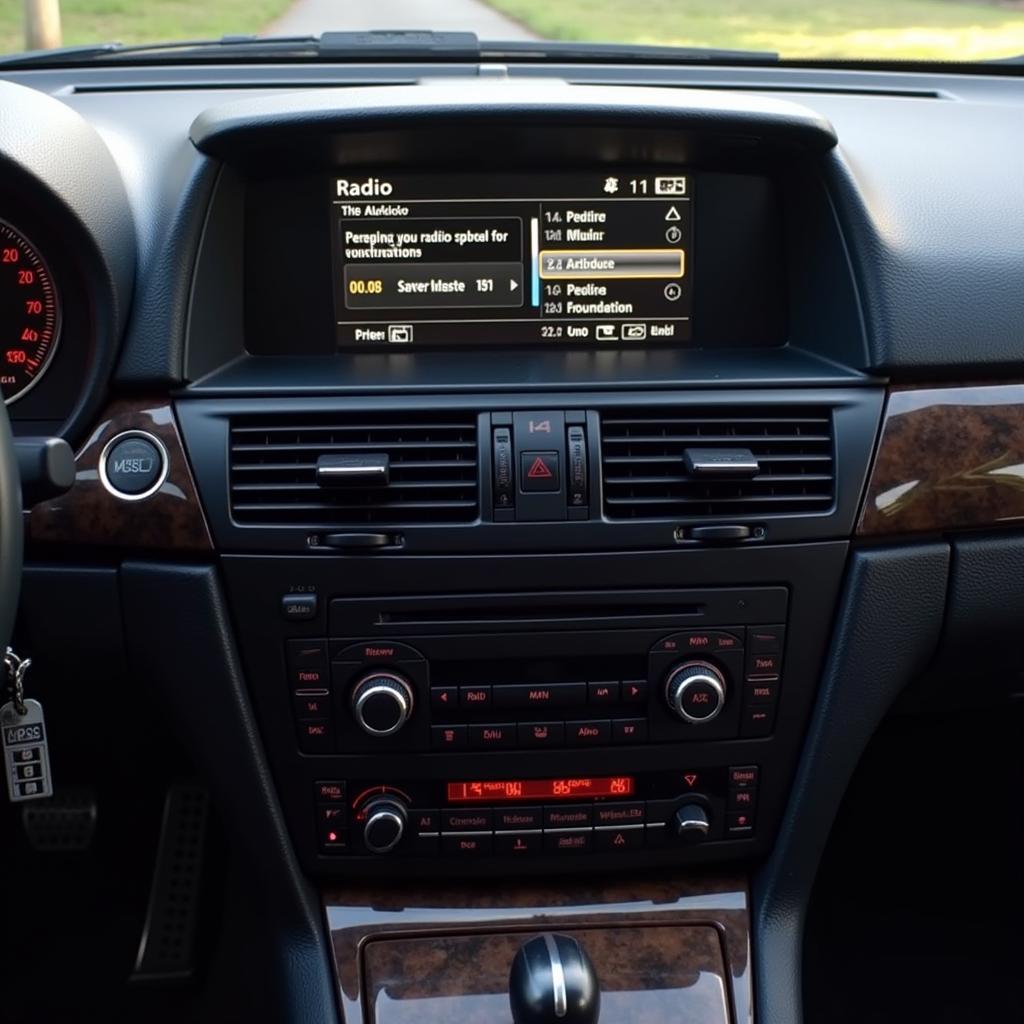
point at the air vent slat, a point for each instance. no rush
(433, 470)
(645, 476)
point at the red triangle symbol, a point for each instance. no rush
(619, 840)
(444, 698)
(539, 470)
(690, 779)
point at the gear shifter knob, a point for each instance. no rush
(553, 982)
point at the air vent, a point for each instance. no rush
(645, 474)
(432, 469)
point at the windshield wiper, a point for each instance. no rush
(370, 47)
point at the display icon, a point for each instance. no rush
(673, 291)
(634, 332)
(539, 470)
(611, 185)
(674, 185)
(673, 214)
(606, 332)
(400, 334)
(673, 235)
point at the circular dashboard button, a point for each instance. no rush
(133, 465)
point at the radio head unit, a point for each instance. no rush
(600, 257)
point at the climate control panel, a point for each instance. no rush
(519, 819)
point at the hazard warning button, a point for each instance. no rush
(539, 471)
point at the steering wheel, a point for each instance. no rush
(11, 530)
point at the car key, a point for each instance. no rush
(26, 752)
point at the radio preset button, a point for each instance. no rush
(629, 730)
(475, 697)
(603, 693)
(500, 736)
(589, 733)
(448, 737)
(541, 734)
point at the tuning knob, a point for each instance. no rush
(695, 691)
(691, 823)
(382, 703)
(385, 824)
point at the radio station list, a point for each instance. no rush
(512, 270)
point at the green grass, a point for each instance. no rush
(141, 21)
(931, 29)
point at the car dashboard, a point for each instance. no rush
(521, 490)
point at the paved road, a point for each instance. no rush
(311, 17)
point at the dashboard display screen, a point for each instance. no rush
(570, 258)
(539, 789)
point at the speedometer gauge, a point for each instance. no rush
(29, 314)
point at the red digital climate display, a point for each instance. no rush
(539, 789)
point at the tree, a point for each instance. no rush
(42, 24)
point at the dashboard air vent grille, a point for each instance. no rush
(432, 469)
(645, 474)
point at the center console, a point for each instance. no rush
(532, 469)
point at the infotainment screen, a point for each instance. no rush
(571, 258)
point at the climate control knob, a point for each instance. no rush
(382, 703)
(695, 691)
(385, 824)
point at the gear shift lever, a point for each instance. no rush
(553, 982)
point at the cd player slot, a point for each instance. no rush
(477, 613)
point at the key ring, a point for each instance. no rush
(16, 668)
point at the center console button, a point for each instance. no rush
(517, 844)
(425, 821)
(541, 734)
(743, 776)
(500, 736)
(467, 846)
(634, 691)
(589, 733)
(316, 736)
(606, 815)
(603, 693)
(617, 840)
(448, 737)
(307, 662)
(765, 639)
(330, 792)
(629, 730)
(375, 653)
(478, 697)
(517, 819)
(757, 720)
(568, 816)
(311, 703)
(478, 819)
(540, 695)
(444, 698)
(742, 799)
(568, 842)
(763, 664)
(762, 691)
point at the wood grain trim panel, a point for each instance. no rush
(648, 975)
(948, 459)
(171, 519)
(359, 915)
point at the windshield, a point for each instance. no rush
(948, 30)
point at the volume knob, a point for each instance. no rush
(382, 703)
(695, 691)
